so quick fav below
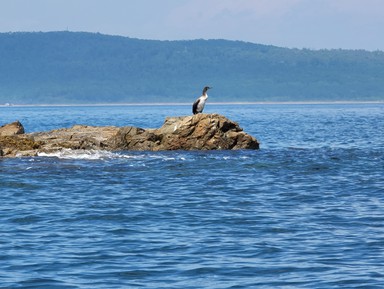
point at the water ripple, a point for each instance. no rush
(296, 214)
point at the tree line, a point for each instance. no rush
(76, 67)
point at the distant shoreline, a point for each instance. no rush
(187, 104)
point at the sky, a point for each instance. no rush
(312, 24)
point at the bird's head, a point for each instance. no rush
(206, 88)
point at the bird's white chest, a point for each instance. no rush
(202, 101)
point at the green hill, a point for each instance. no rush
(69, 67)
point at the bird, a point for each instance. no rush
(199, 104)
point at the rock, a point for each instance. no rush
(16, 144)
(11, 129)
(77, 137)
(197, 132)
(203, 132)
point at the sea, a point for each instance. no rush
(304, 211)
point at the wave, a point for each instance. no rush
(84, 154)
(108, 155)
(70, 154)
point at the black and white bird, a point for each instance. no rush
(199, 104)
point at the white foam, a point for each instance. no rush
(107, 155)
(82, 154)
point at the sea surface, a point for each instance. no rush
(304, 211)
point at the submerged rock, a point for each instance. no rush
(197, 132)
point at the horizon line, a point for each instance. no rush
(188, 104)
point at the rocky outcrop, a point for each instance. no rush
(197, 132)
(11, 129)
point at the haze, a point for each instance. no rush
(313, 24)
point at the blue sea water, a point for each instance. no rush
(304, 211)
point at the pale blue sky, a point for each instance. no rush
(314, 24)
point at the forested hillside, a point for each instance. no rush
(69, 67)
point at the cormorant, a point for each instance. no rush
(198, 105)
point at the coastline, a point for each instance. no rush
(188, 104)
